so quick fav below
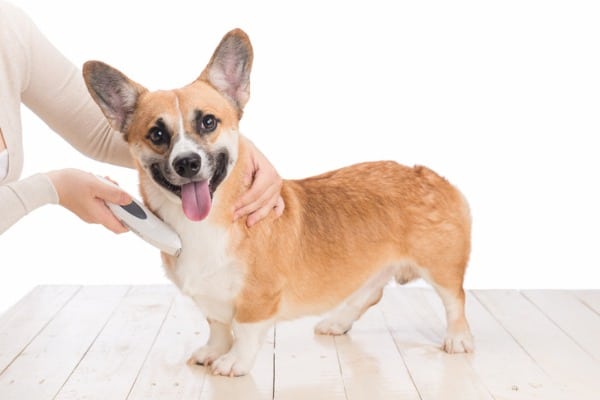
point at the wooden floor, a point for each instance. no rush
(113, 342)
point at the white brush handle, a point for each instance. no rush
(143, 222)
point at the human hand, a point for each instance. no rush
(84, 195)
(265, 193)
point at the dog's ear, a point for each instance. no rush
(114, 92)
(229, 68)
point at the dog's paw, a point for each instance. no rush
(205, 355)
(231, 365)
(331, 326)
(461, 342)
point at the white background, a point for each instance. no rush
(502, 98)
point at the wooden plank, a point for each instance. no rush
(590, 298)
(577, 320)
(555, 353)
(306, 365)
(44, 366)
(370, 362)
(535, 344)
(495, 349)
(418, 334)
(166, 374)
(23, 322)
(257, 385)
(111, 365)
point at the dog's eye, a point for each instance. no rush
(208, 123)
(158, 137)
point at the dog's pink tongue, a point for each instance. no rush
(195, 197)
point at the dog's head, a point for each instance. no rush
(186, 140)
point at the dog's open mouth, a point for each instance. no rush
(196, 195)
(159, 178)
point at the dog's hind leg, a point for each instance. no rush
(458, 336)
(340, 320)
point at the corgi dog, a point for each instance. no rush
(343, 236)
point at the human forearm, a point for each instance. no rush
(18, 199)
(56, 92)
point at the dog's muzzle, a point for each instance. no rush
(187, 165)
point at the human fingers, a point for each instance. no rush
(111, 193)
(265, 198)
(104, 216)
(271, 205)
(279, 206)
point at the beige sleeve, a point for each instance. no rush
(21, 197)
(56, 92)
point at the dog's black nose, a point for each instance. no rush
(187, 165)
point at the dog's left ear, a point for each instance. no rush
(229, 68)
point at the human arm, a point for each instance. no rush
(77, 191)
(85, 195)
(19, 198)
(55, 91)
(34, 72)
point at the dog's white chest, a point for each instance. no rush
(206, 270)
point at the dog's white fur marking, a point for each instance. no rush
(219, 342)
(205, 269)
(184, 145)
(181, 130)
(249, 339)
(208, 273)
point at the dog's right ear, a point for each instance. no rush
(115, 93)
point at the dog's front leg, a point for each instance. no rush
(249, 337)
(219, 342)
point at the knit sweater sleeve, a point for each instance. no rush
(56, 92)
(19, 198)
(35, 72)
